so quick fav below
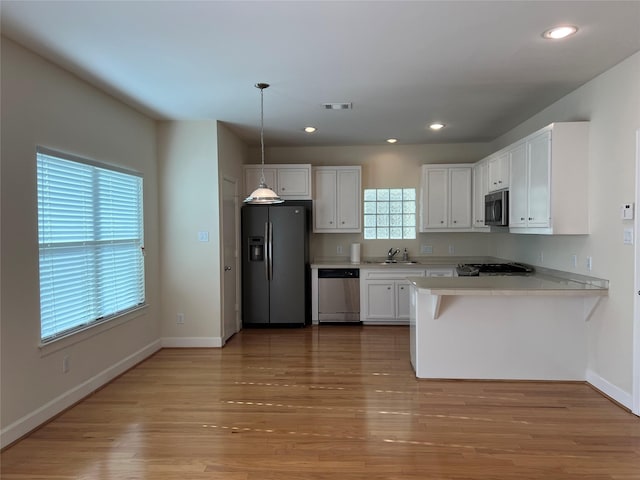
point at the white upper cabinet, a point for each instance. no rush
(337, 200)
(499, 171)
(549, 181)
(291, 182)
(480, 189)
(445, 198)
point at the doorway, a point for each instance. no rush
(635, 407)
(230, 247)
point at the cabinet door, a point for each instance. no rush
(348, 199)
(499, 172)
(293, 182)
(324, 203)
(381, 299)
(253, 175)
(539, 158)
(403, 300)
(434, 198)
(460, 197)
(518, 207)
(480, 189)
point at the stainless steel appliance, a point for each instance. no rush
(483, 269)
(275, 265)
(338, 295)
(496, 208)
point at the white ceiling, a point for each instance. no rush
(481, 67)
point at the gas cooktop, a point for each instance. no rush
(476, 269)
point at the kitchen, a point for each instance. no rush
(187, 200)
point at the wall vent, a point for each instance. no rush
(337, 106)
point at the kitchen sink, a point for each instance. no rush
(374, 262)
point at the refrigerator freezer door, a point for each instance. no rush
(255, 287)
(288, 265)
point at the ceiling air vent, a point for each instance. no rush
(337, 106)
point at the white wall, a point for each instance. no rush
(189, 204)
(44, 105)
(386, 166)
(611, 102)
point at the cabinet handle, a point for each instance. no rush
(331, 222)
(401, 288)
(343, 222)
(455, 221)
(388, 288)
(499, 181)
(530, 218)
(283, 189)
(441, 221)
(522, 218)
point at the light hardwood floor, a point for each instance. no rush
(329, 402)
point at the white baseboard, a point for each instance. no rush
(33, 420)
(616, 393)
(191, 342)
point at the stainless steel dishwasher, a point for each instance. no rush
(338, 295)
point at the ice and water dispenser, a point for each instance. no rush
(256, 249)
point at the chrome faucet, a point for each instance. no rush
(391, 253)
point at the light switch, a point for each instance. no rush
(626, 211)
(203, 236)
(628, 236)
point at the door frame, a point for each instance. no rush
(635, 401)
(236, 266)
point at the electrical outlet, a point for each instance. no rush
(339, 249)
(452, 249)
(425, 249)
(541, 258)
(589, 263)
(180, 319)
(203, 236)
(65, 364)
(574, 260)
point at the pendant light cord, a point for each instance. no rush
(262, 86)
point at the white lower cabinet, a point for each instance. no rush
(384, 295)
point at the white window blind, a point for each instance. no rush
(90, 229)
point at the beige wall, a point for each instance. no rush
(44, 105)
(383, 167)
(611, 102)
(189, 204)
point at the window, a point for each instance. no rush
(90, 235)
(389, 213)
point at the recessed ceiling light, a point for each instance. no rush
(560, 32)
(310, 129)
(392, 140)
(436, 126)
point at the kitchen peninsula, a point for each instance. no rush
(495, 327)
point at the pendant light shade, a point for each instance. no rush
(263, 195)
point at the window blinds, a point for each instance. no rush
(90, 228)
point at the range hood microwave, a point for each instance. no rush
(496, 208)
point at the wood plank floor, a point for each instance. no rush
(329, 402)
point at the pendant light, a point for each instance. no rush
(263, 195)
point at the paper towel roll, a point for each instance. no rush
(355, 253)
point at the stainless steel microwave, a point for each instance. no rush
(496, 208)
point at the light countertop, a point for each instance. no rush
(422, 262)
(561, 283)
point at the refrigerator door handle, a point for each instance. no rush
(270, 250)
(266, 251)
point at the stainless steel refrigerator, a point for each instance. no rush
(275, 265)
